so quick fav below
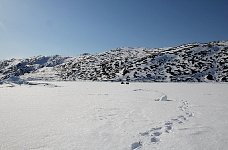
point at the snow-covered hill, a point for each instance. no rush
(39, 67)
(197, 62)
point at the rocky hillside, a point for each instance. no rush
(186, 63)
(20, 67)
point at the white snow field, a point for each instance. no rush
(114, 116)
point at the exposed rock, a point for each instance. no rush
(185, 63)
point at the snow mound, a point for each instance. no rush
(162, 98)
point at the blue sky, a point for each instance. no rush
(72, 27)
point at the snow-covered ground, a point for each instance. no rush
(114, 116)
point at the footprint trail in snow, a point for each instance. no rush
(153, 136)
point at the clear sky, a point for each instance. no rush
(72, 27)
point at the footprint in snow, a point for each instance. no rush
(189, 114)
(168, 127)
(144, 133)
(181, 117)
(155, 140)
(157, 128)
(175, 120)
(155, 134)
(136, 145)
